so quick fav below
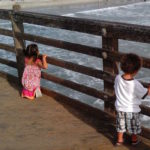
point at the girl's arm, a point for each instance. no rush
(43, 64)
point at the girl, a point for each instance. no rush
(32, 72)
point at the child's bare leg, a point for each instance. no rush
(134, 138)
(120, 137)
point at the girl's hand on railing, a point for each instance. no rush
(149, 90)
(44, 56)
(45, 65)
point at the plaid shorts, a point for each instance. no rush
(130, 122)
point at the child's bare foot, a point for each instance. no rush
(119, 139)
(118, 143)
(30, 98)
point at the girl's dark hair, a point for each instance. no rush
(130, 63)
(31, 51)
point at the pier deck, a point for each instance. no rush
(45, 124)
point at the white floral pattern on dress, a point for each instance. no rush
(31, 77)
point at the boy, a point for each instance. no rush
(129, 93)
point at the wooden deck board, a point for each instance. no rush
(45, 124)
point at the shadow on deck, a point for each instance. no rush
(46, 124)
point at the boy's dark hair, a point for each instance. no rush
(130, 63)
(31, 51)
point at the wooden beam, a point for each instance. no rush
(8, 48)
(145, 110)
(80, 68)
(11, 78)
(6, 32)
(78, 87)
(75, 103)
(8, 62)
(109, 66)
(17, 26)
(4, 14)
(92, 51)
(113, 29)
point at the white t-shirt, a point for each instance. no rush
(128, 94)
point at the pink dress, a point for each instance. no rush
(31, 79)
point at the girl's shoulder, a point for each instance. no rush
(26, 60)
(38, 61)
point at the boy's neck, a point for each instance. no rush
(127, 76)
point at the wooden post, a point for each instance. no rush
(17, 27)
(109, 66)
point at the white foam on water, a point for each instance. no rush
(94, 11)
(99, 104)
(68, 15)
(4, 23)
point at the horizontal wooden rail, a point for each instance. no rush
(92, 51)
(118, 30)
(84, 70)
(4, 14)
(8, 48)
(145, 110)
(116, 56)
(113, 29)
(6, 32)
(8, 76)
(81, 69)
(78, 87)
(8, 62)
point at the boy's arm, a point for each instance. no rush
(149, 90)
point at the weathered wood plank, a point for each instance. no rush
(145, 110)
(113, 29)
(116, 56)
(81, 69)
(71, 101)
(78, 87)
(92, 51)
(17, 27)
(6, 32)
(8, 62)
(6, 75)
(8, 48)
(4, 14)
(110, 66)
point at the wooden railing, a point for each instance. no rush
(111, 32)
